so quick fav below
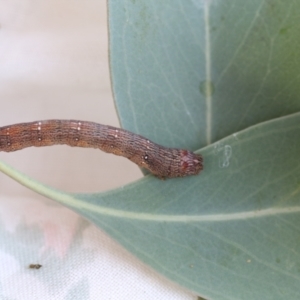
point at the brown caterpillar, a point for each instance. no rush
(161, 161)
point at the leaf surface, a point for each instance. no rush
(229, 233)
(186, 74)
(190, 72)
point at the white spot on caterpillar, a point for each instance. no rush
(75, 125)
(39, 127)
(224, 153)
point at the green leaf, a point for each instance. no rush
(229, 233)
(190, 72)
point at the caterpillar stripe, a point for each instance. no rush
(161, 161)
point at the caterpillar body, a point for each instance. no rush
(161, 161)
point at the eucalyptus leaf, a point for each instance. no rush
(190, 72)
(229, 233)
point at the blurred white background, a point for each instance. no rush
(54, 64)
